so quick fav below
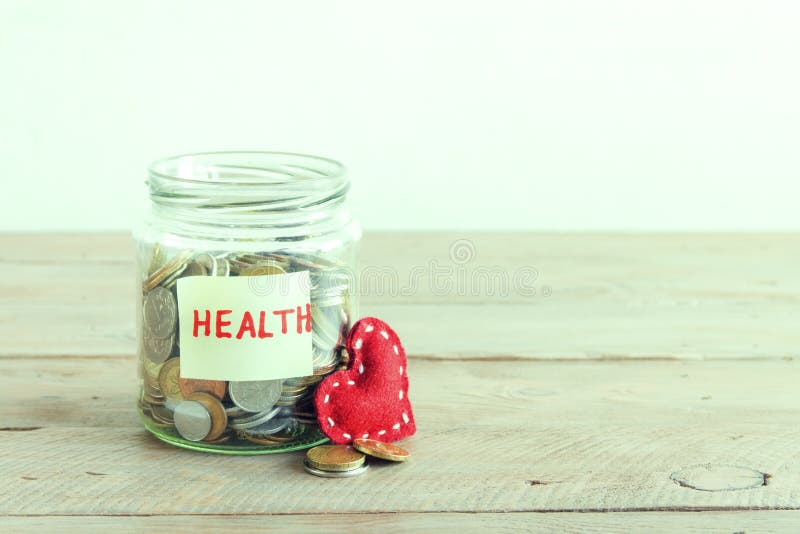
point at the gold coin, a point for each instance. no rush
(150, 370)
(335, 457)
(177, 263)
(261, 268)
(169, 379)
(219, 419)
(157, 259)
(379, 449)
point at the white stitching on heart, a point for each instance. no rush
(400, 395)
(405, 417)
(346, 436)
(336, 384)
(330, 421)
(384, 334)
(381, 432)
(395, 350)
(401, 370)
(359, 342)
(365, 436)
(361, 368)
(351, 383)
(396, 426)
(327, 398)
(369, 328)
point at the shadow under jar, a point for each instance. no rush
(246, 274)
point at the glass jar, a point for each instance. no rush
(246, 275)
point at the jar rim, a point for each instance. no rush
(237, 191)
(326, 168)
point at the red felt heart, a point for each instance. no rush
(370, 399)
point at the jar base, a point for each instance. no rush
(305, 439)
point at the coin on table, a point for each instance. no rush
(256, 395)
(334, 474)
(216, 388)
(169, 379)
(334, 458)
(160, 312)
(219, 419)
(192, 420)
(379, 449)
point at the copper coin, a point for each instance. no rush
(178, 263)
(219, 419)
(334, 457)
(216, 388)
(379, 449)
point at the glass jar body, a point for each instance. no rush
(285, 226)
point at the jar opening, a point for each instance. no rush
(254, 180)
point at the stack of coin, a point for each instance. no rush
(335, 461)
(340, 461)
(268, 414)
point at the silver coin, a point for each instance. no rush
(162, 414)
(222, 267)
(208, 262)
(158, 349)
(335, 474)
(273, 426)
(243, 423)
(255, 396)
(160, 311)
(192, 420)
(170, 281)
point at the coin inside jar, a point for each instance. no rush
(219, 419)
(169, 379)
(334, 458)
(192, 420)
(379, 449)
(255, 396)
(263, 268)
(216, 388)
(160, 312)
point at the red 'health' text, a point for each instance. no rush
(247, 325)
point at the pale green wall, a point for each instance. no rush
(546, 114)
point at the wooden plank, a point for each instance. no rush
(612, 295)
(700, 522)
(493, 436)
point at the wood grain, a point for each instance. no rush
(682, 296)
(752, 522)
(493, 436)
(648, 375)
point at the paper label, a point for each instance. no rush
(245, 327)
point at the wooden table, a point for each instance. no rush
(646, 376)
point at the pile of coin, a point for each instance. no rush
(270, 413)
(342, 461)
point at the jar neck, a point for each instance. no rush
(234, 195)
